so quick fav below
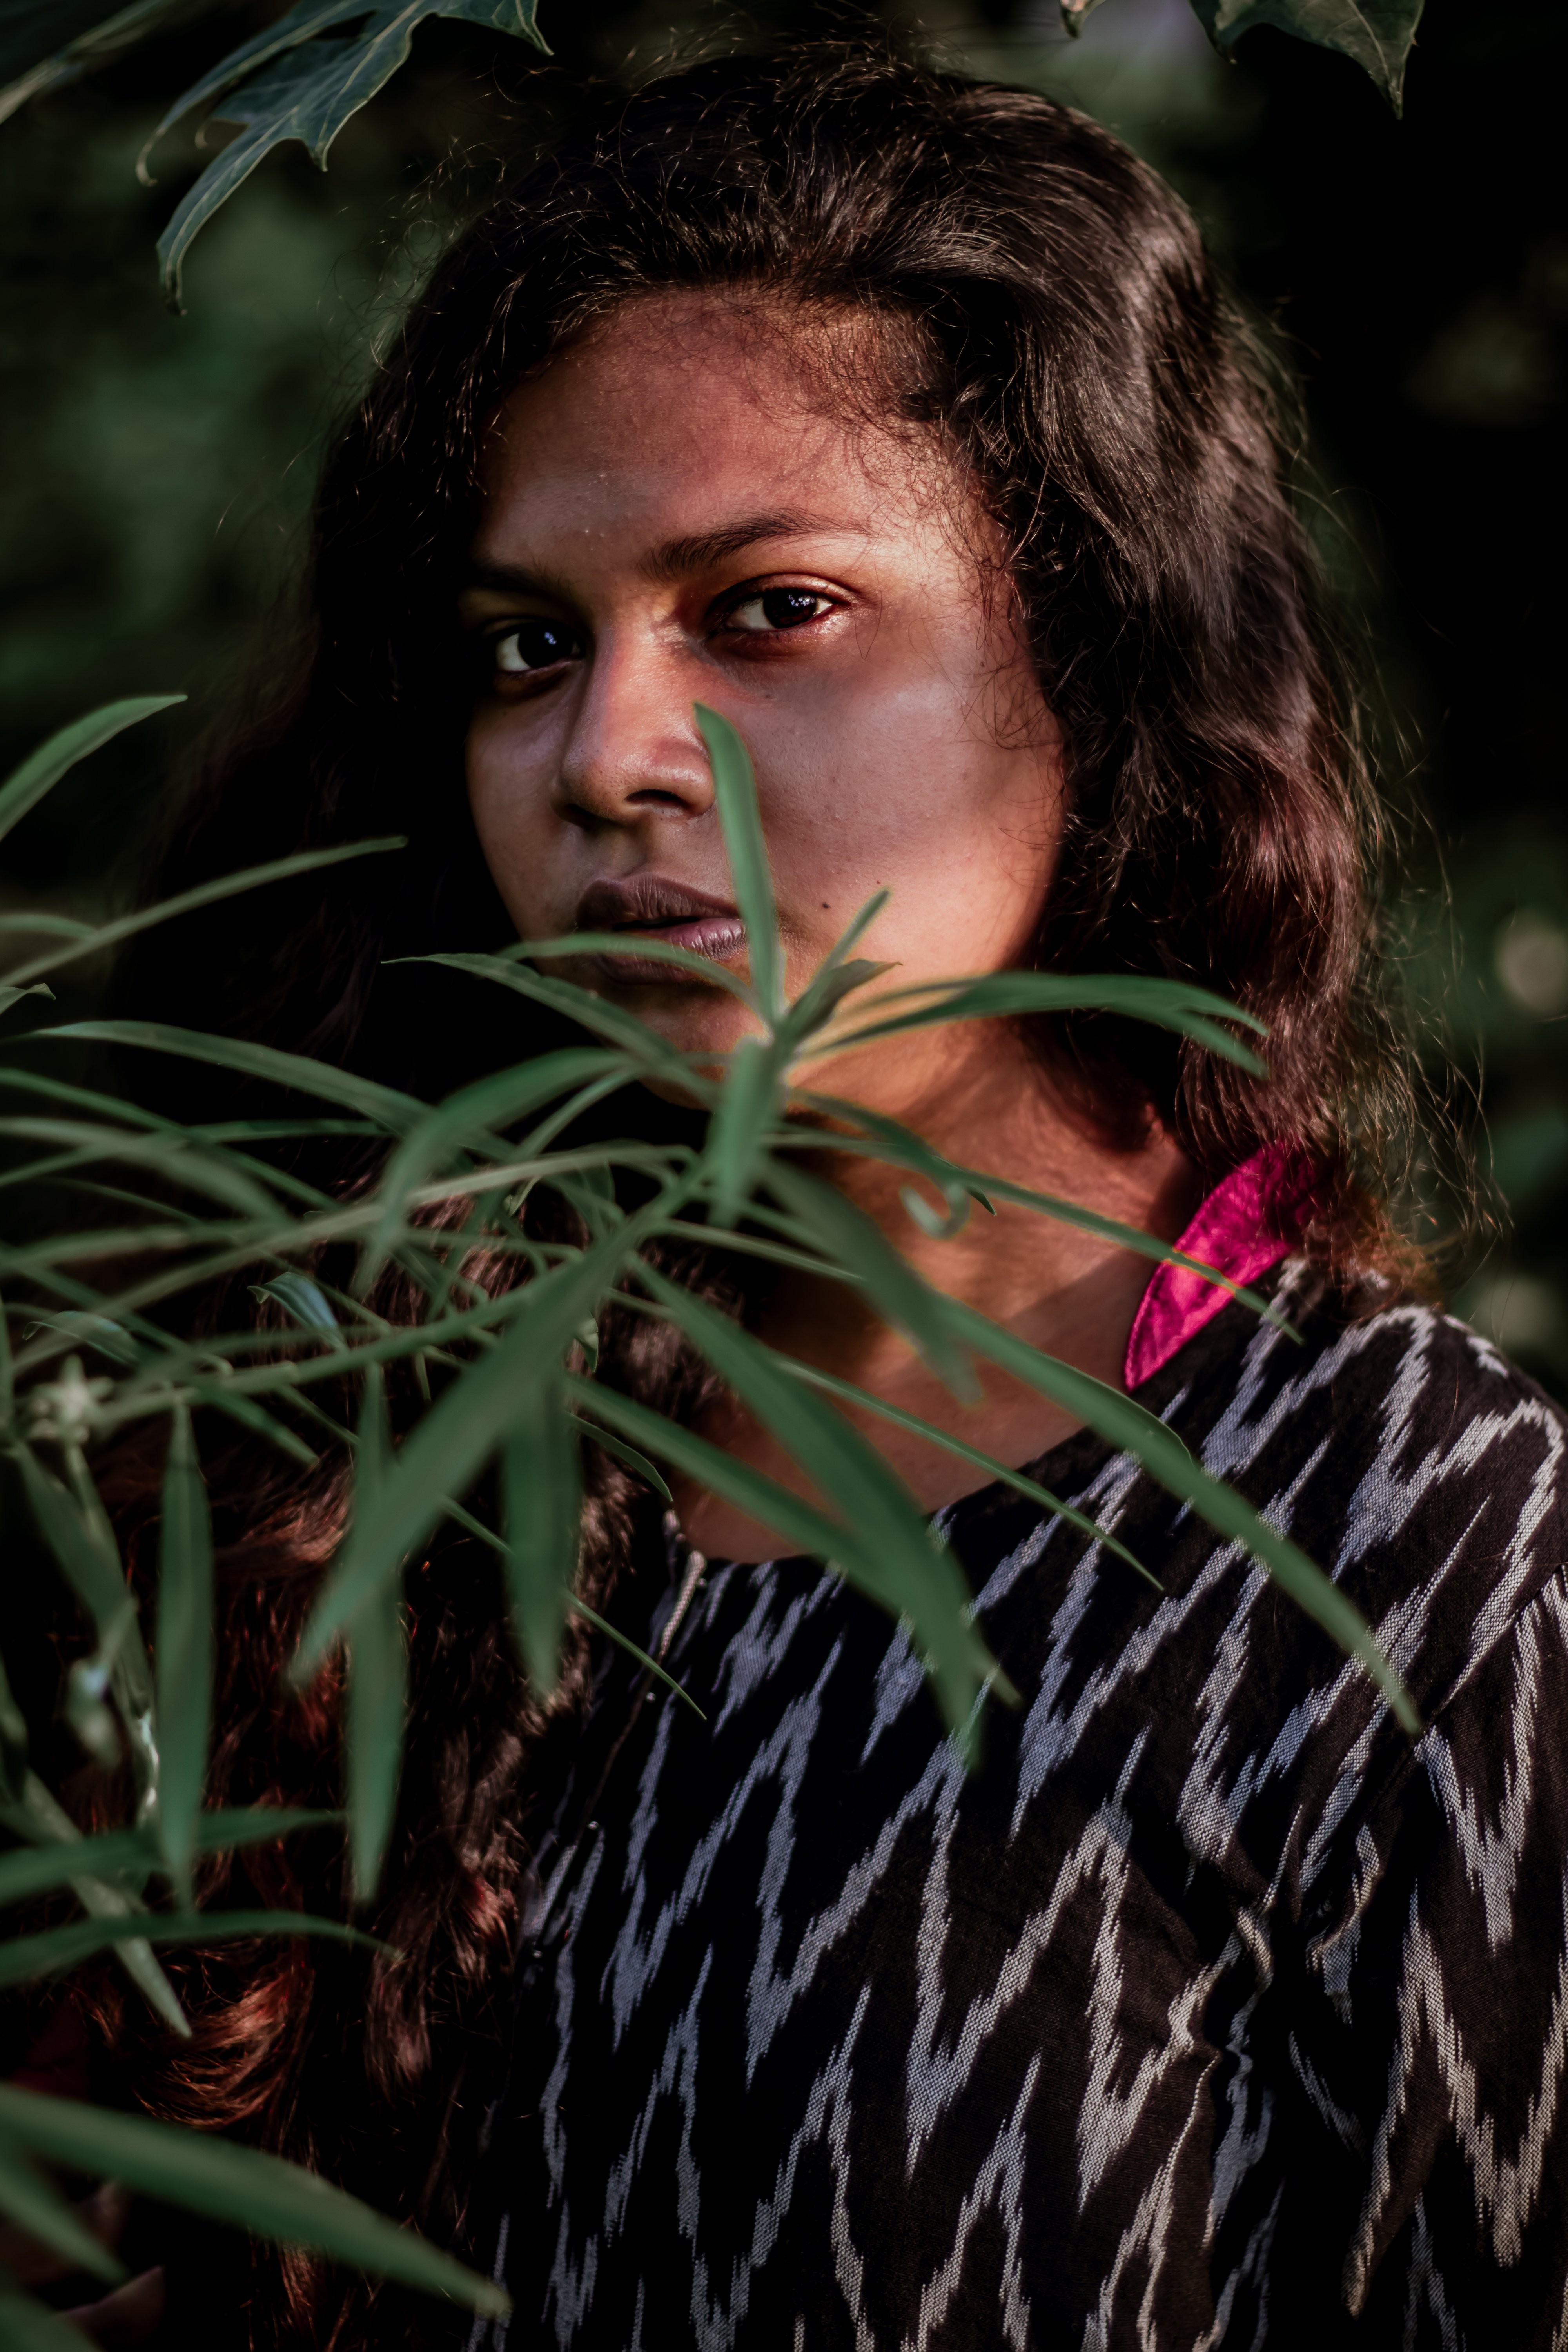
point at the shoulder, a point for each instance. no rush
(1434, 1390)
(1406, 1455)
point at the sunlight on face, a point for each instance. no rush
(675, 513)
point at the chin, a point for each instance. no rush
(699, 1028)
(694, 1020)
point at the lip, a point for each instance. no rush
(647, 906)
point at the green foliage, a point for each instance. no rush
(184, 1653)
(40, 775)
(301, 81)
(1378, 34)
(31, 48)
(517, 1394)
(302, 77)
(274, 2199)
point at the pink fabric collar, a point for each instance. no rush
(1248, 1223)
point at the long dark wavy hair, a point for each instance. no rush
(1061, 330)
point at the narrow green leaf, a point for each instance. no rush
(9, 996)
(885, 1543)
(1192, 1013)
(303, 1299)
(1128, 1237)
(747, 1105)
(13, 1744)
(542, 1485)
(255, 2191)
(132, 1855)
(32, 2204)
(823, 994)
(222, 1176)
(724, 1474)
(577, 1608)
(816, 1007)
(184, 1653)
(941, 1224)
(959, 1447)
(798, 1523)
(596, 1014)
(378, 1667)
(40, 1815)
(383, 1106)
(120, 1647)
(29, 2325)
(889, 1141)
(254, 1417)
(468, 1116)
(735, 790)
(39, 773)
(35, 919)
(454, 1441)
(649, 1665)
(1130, 1426)
(109, 1339)
(845, 1232)
(92, 1574)
(56, 1949)
(63, 64)
(206, 894)
(630, 1456)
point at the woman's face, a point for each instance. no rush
(677, 512)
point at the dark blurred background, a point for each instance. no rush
(157, 468)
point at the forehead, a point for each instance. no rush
(679, 410)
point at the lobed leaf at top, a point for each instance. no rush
(45, 44)
(302, 80)
(307, 82)
(1377, 34)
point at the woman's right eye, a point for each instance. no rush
(532, 645)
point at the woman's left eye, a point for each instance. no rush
(777, 608)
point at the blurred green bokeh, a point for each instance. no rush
(160, 466)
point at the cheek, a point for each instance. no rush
(963, 830)
(504, 800)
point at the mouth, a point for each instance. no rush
(648, 908)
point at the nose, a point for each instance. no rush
(633, 750)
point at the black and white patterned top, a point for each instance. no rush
(1210, 2009)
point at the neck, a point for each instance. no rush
(986, 1106)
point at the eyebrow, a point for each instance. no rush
(675, 558)
(678, 559)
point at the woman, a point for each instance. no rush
(899, 419)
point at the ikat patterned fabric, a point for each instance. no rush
(1210, 2009)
